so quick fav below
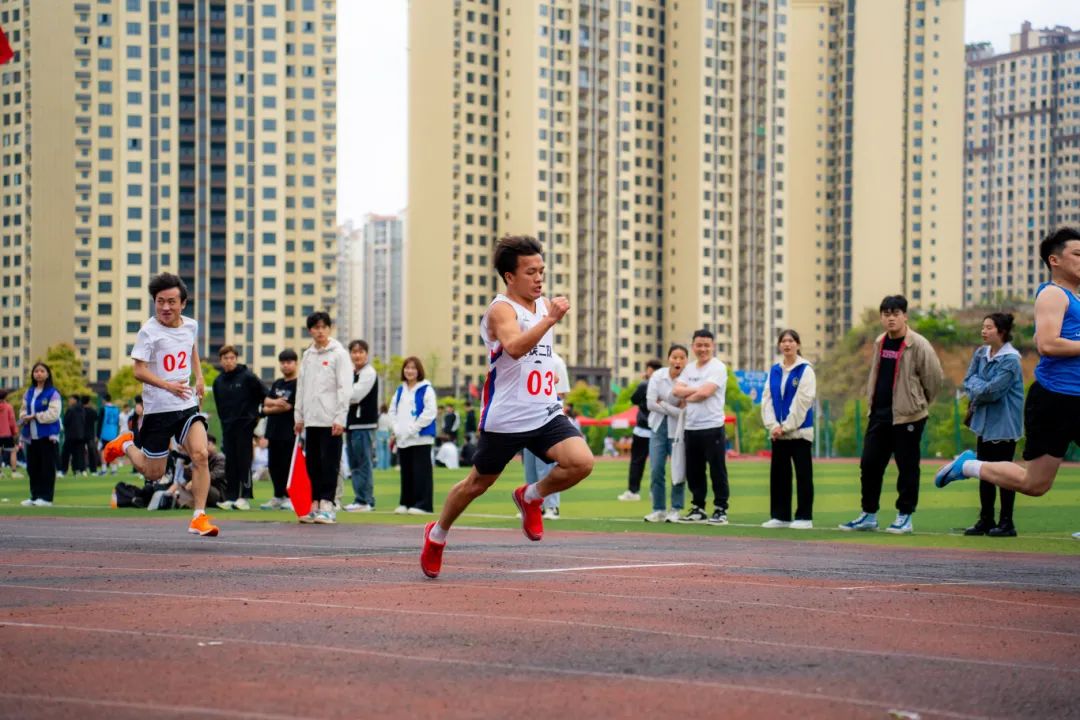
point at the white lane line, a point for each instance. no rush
(605, 567)
(189, 710)
(630, 629)
(179, 543)
(511, 667)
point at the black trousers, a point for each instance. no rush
(323, 461)
(236, 444)
(417, 482)
(995, 452)
(41, 467)
(884, 441)
(280, 458)
(73, 455)
(93, 455)
(784, 453)
(639, 453)
(707, 447)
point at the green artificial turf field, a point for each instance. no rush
(1045, 524)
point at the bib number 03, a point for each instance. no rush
(539, 386)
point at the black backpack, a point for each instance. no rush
(127, 495)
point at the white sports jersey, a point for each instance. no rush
(519, 395)
(168, 352)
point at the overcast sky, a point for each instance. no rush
(373, 92)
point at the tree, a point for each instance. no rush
(67, 373)
(123, 387)
(389, 373)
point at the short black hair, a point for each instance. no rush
(48, 374)
(1054, 243)
(509, 248)
(789, 332)
(85, 399)
(165, 281)
(893, 302)
(286, 354)
(108, 397)
(1004, 324)
(319, 316)
(362, 344)
(211, 438)
(677, 346)
(654, 364)
(138, 398)
(3, 394)
(702, 332)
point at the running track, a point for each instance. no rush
(128, 618)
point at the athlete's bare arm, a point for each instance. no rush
(196, 368)
(514, 342)
(145, 375)
(1050, 309)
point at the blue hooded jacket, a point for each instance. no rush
(995, 386)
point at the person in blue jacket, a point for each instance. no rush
(40, 421)
(995, 387)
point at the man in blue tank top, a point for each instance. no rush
(1052, 409)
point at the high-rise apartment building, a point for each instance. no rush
(874, 159)
(196, 136)
(350, 281)
(639, 141)
(1022, 170)
(383, 295)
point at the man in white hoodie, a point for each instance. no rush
(322, 403)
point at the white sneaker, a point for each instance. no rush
(417, 511)
(241, 504)
(551, 513)
(42, 503)
(672, 516)
(29, 502)
(271, 504)
(286, 504)
(400, 510)
(1076, 536)
(656, 516)
(358, 507)
(774, 523)
(310, 517)
(225, 505)
(802, 525)
(628, 496)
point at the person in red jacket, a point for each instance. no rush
(9, 434)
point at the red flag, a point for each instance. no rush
(299, 485)
(473, 390)
(6, 53)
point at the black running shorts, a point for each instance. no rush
(158, 429)
(1051, 422)
(495, 450)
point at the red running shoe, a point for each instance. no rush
(431, 555)
(532, 515)
(114, 449)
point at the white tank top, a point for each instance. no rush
(519, 395)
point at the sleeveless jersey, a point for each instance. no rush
(1062, 374)
(168, 352)
(519, 395)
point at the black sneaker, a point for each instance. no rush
(696, 515)
(981, 527)
(719, 517)
(1005, 528)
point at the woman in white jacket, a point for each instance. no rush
(413, 410)
(787, 409)
(664, 412)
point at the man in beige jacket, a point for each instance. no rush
(905, 376)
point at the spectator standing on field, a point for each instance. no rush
(703, 385)
(383, 430)
(91, 419)
(278, 409)
(905, 377)
(362, 422)
(639, 445)
(414, 409)
(9, 436)
(321, 409)
(40, 423)
(238, 394)
(995, 387)
(787, 410)
(73, 453)
(470, 422)
(665, 410)
(109, 426)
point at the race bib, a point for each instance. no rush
(537, 383)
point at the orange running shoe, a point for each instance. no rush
(114, 449)
(201, 526)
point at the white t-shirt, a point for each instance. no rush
(562, 385)
(709, 413)
(168, 352)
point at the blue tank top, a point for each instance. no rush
(1062, 374)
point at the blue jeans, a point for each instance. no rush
(659, 452)
(382, 450)
(359, 452)
(535, 471)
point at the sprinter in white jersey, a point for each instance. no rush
(521, 407)
(166, 357)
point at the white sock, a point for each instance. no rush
(532, 494)
(437, 534)
(125, 445)
(198, 513)
(971, 468)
